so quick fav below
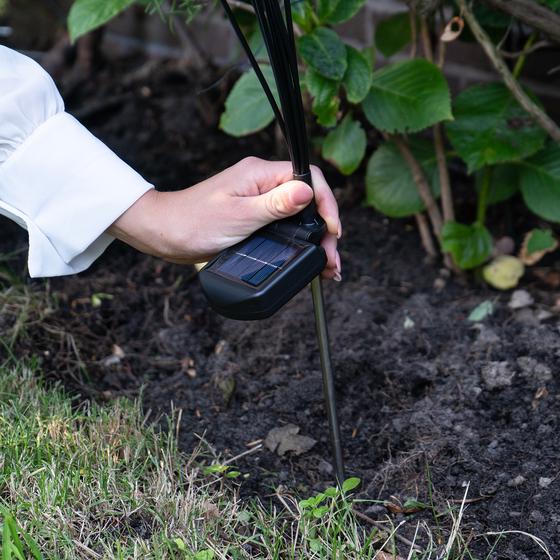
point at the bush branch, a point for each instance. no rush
(532, 13)
(537, 114)
(421, 184)
(439, 144)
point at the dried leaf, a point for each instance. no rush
(287, 438)
(536, 244)
(453, 29)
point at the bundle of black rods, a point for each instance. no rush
(278, 36)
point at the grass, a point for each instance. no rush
(83, 480)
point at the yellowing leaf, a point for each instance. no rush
(504, 272)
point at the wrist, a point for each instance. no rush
(140, 225)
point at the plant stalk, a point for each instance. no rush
(425, 235)
(518, 68)
(421, 184)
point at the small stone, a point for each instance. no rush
(486, 337)
(544, 315)
(439, 284)
(408, 323)
(527, 317)
(504, 246)
(533, 369)
(520, 299)
(536, 516)
(517, 481)
(497, 375)
(545, 482)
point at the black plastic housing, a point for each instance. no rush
(232, 281)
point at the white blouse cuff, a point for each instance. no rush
(66, 187)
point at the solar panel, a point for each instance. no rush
(257, 259)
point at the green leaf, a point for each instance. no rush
(325, 52)
(303, 14)
(338, 11)
(180, 544)
(393, 34)
(540, 240)
(247, 109)
(491, 127)
(206, 554)
(320, 512)
(504, 183)
(331, 492)
(390, 187)
(540, 183)
(470, 245)
(86, 15)
(350, 484)
(481, 311)
(407, 97)
(358, 76)
(325, 100)
(345, 146)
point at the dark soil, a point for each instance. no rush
(427, 399)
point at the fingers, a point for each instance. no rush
(333, 268)
(326, 202)
(258, 176)
(285, 200)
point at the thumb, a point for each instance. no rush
(281, 202)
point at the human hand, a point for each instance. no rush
(195, 224)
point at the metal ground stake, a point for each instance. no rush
(328, 378)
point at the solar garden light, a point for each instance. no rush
(254, 278)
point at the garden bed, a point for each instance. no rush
(428, 400)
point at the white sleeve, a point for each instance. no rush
(56, 179)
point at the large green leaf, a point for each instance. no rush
(325, 52)
(345, 146)
(86, 15)
(393, 34)
(358, 76)
(338, 11)
(491, 127)
(247, 108)
(504, 183)
(540, 183)
(407, 97)
(390, 187)
(470, 246)
(325, 100)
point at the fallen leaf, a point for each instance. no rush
(481, 311)
(453, 29)
(536, 244)
(548, 276)
(287, 438)
(503, 272)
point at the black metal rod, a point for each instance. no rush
(328, 377)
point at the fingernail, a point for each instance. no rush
(339, 232)
(338, 265)
(337, 277)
